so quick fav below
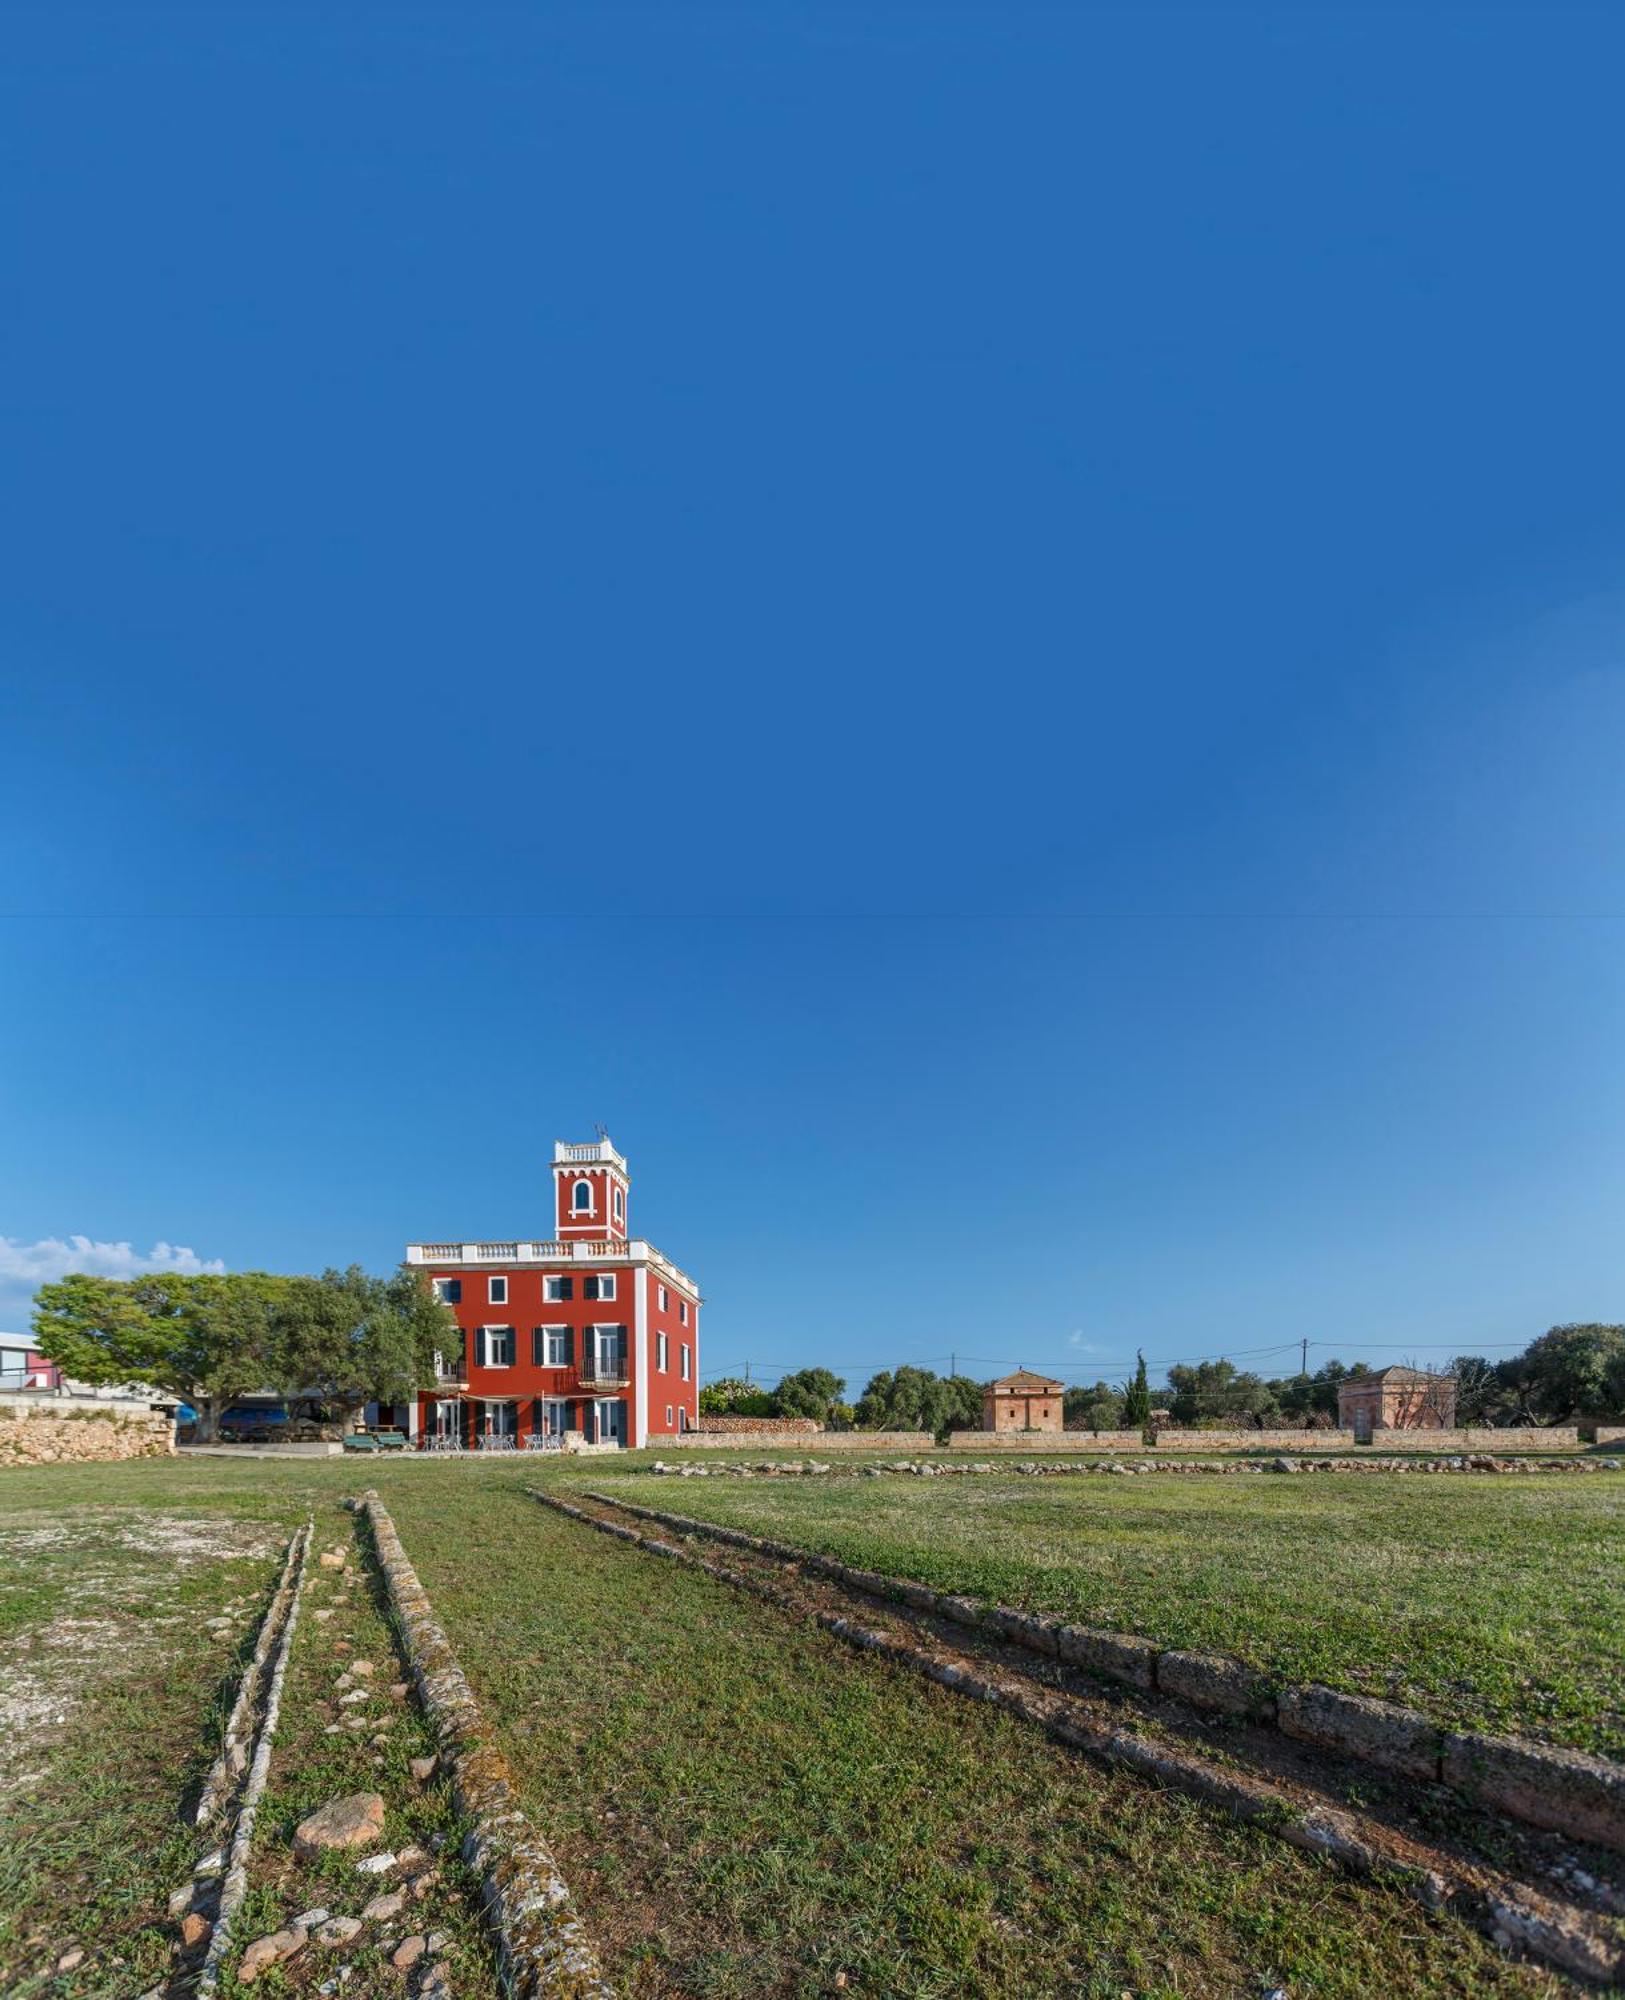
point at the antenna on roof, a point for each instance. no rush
(602, 1131)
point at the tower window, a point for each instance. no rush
(620, 1206)
(582, 1198)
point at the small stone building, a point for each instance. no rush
(1397, 1399)
(1022, 1402)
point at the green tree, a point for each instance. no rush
(202, 1338)
(349, 1338)
(918, 1399)
(1136, 1411)
(1575, 1371)
(1212, 1390)
(1096, 1409)
(728, 1396)
(810, 1392)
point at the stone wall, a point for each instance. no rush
(32, 1434)
(1296, 1440)
(1496, 1442)
(987, 1444)
(1611, 1434)
(1130, 1444)
(758, 1427)
(769, 1436)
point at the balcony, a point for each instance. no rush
(604, 1371)
(596, 1152)
(587, 1250)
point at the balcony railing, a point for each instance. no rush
(603, 1371)
(595, 1152)
(586, 1250)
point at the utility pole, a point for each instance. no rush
(1303, 1366)
(953, 1364)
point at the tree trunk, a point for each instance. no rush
(208, 1417)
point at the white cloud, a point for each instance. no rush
(1076, 1339)
(25, 1266)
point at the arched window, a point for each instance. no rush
(582, 1198)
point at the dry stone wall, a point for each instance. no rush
(794, 1428)
(1495, 1442)
(777, 1439)
(986, 1443)
(1118, 1444)
(32, 1435)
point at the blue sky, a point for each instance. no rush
(995, 635)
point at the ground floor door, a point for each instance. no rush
(612, 1421)
(442, 1418)
(552, 1416)
(499, 1421)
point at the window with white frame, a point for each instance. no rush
(668, 1416)
(550, 1347)
(682, 1311)
(496, 1347)
(498, 1292)
(683, 1357)
(558, 1291)
(449, 1291)
(598, 1285)
(663, 1297)
(581, 1200)
(620, 1206)
(662, 1363)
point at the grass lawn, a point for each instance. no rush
(1497, 1601)
(745, 1808)
(112, 1692)
(742, 1806)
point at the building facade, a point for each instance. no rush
(592, 1332)
(22, 1366)
(1396, 1399)
(1022, 1402)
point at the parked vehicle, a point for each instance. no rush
(248, 1423)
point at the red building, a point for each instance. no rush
(593, 1331)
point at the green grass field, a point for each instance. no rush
(743, 1807)
(1495, 1601)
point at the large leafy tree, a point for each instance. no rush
(809, 1392)
(918, 1399)
(350, 1338)
(1096, 1409)
(731, 1396)
(1219, 1389)
(200, 1338)
(1575, 1371)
